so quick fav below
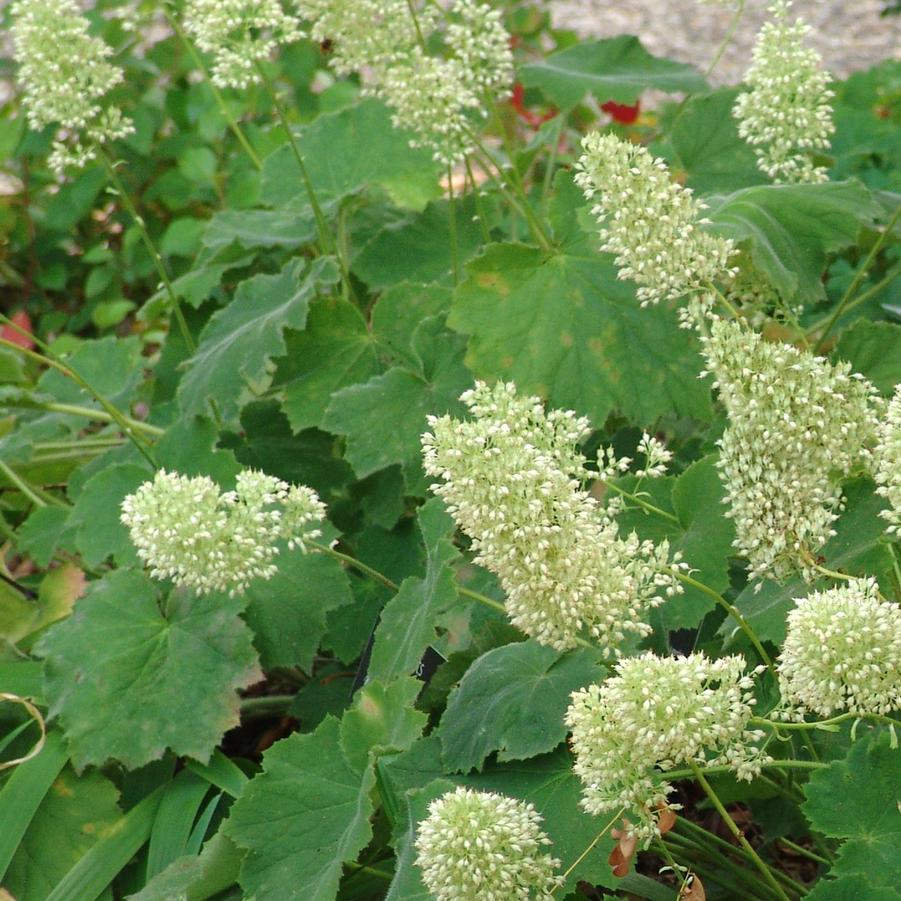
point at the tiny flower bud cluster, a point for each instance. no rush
(438, 98)
(798, 425)
(188, 530)
(656, 457)
(512, 480)
(650, 223)
(239, 34)
(654, 714)
(65, 75)
(842, 652)
(888, 463)
(482, 846)
(786, 114)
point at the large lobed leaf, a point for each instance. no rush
(613, 69)
(127, 680)
(232, 358)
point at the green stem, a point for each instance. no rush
(101, 416)
(739, 835)
(675, 775)
(154, 254)
(832, 721)
(265, 705)
(861, 298)
(552, 160)
(675, 867)
(591, 846)
(49, 358)
(477, 199)
(637, 499)
(452, 222)
(326, 241)
(730, 33)
(804, 852)
(371, 871)
(22, 485)
(702, 835)
(217, 94)
(735, 614)
(858, 278)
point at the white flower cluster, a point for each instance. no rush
(888, 463)
(438, 97)
(787, 113)
(190, 531)
(655, 714)
(842, 652)
(239, 34)
(656, 457)
(512, 480)
(482, 846)
(651, 224)
(65, 76)
(797, 426)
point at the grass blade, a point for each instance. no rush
(182, 799)
(23, 793)
(221, 772)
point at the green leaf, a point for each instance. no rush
(789, 229)
(382, 719)
(237, 344)
(418, 248)
(402, 398)
(856, 799)
(190, 447)
(288, 612)
(873, 349)
(195, 878)
(335, 350)
(407, 624)
(259, 228)
(400, 309)
(23, 793)
(75, 814)
(40, 534)
(321, 805)
(512, 700)
(112, 366)
(565, 328)
(127, 681)
(857, 549)
(344, 152)
(709, 150)
(613, 69)
(179, 807)
(99, 533)
(851, 888)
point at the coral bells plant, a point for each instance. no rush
(444, 458)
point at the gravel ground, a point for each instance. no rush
(849, 33)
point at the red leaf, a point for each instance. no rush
(8, 333)
(622, 112)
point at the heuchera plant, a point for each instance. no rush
(442, 458)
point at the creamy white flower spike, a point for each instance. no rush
(239, 34)
(651, 224)
(888, 463)
(190, 531)
(786, 114)
(65, 77)
(798, 425)
(658, 713)
(842, 652)
(439, 96)
(482, 846)
(512, 479)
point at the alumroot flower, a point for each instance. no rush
(888, 463)
(512, 480)
(798, 425)
(190, 531)
(651, 224)
(438, 97)
(787, 113)
(658, 713)
(65, 77)
(842, 652)
(481, 846)
(239, 34)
